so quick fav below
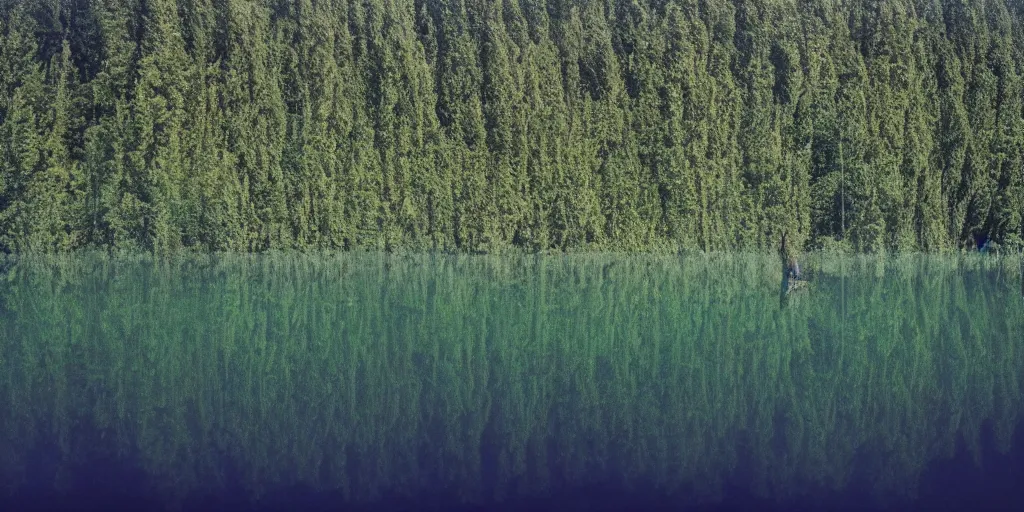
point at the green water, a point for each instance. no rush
(495, 377)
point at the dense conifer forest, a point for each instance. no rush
(479, 125)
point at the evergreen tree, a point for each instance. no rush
(256, 118)
(54, 198)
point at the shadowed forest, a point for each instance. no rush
(501, 377)
(480, 125)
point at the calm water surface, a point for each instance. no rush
(570, 382)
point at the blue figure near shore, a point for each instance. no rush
(982, 243)
(792, 277)
(790, 265)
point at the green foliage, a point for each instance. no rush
(481, 125)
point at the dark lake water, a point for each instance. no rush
(581, 382)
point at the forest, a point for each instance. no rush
(488, 125)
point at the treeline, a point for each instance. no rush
(477, 125)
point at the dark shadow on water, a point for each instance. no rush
(98, 482)
(106, 483)
(958, 484)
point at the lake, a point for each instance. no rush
(575, 382)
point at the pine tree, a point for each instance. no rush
(159, 121)
(54, 197)
(460, 112)
(505, 119)
(256, 121)
(21, 137)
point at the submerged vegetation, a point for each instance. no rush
(369, 373)
(476, 125)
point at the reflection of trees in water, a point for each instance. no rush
(495, 376)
